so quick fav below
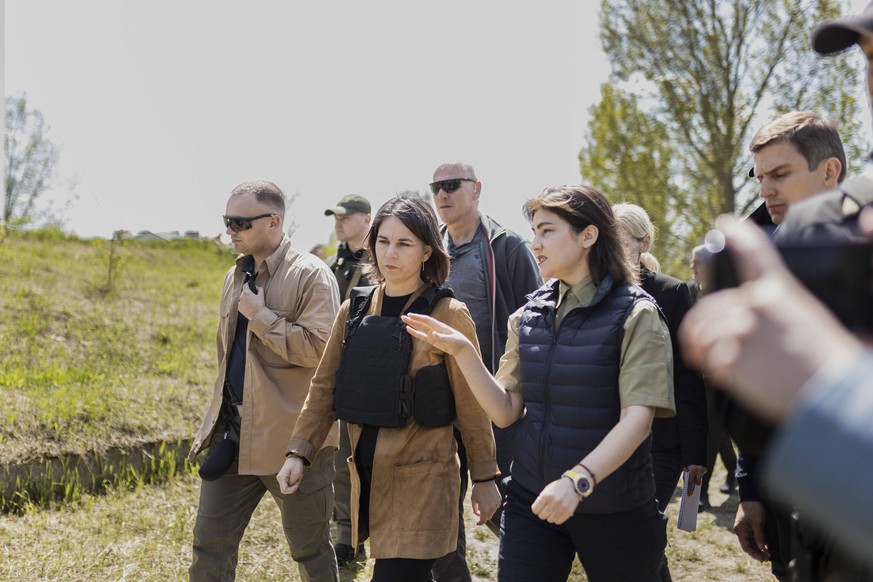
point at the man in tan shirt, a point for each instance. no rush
(277, 309)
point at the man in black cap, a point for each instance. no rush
(352, 215)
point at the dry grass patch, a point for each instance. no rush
(147, 535)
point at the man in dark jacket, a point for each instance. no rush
(798, 156)
(831, 216)
(492, 272)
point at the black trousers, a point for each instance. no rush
(613, 547)
(667, 466)
(401, 570)
(717, 442)
(385, 569)
(778, 535)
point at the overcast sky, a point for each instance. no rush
(161, 107)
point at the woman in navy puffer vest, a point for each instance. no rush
(588, 365)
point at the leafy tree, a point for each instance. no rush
(30, 159)
(629, 157)
(704, 75)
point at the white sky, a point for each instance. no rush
(162, 107)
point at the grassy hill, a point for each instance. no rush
(105, 346)
(104, 343)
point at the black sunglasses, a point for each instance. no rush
(448, 186)
(240, 223)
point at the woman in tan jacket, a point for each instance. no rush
(404, 466)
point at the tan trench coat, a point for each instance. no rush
(416, 476)
(284, 344)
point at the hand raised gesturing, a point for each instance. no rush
(436, 333)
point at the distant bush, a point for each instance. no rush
(46, 233)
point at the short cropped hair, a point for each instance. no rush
(816, 138)
(467, 170)
(266, 193)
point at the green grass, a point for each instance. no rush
(54, 482)
(146, 533)
(104, 344)
(104, 347)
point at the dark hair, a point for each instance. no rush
(266, 193)
(419, 217)
(581, 207)
(816, 138)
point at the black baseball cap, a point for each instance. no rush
(838, 35)
(350, 205)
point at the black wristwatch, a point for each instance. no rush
(581, 483)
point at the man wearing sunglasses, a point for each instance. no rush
(492, 271)
(277, 308)
(352, 220)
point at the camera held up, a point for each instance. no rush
(838, 273)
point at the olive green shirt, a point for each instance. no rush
(646, 365)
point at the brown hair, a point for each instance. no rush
(816, 138)
(581, 207)
(419, 217)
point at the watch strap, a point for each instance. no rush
(577, 479)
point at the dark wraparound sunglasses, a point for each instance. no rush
(240, 223)
(448, 186)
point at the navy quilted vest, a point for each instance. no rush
(569, 381)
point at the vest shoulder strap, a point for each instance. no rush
(359, 302)
(428, 299)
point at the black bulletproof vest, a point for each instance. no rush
(373, 385)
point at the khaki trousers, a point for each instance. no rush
(227, 504)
